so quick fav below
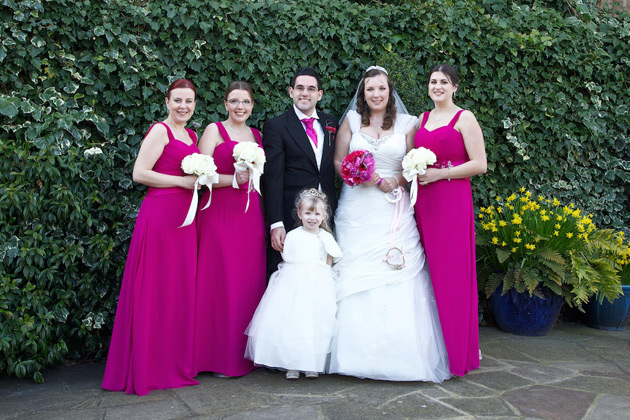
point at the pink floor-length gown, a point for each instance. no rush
(231, 270)
(151, 346)
(445, 218)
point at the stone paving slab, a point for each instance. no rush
(608, 407)
(551, 403)
(575, 372)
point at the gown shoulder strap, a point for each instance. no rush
(257, 136)
(425, 117)
(192, 134)
(168, 130)
(223, 131)
(455, 118)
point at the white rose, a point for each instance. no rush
(198, 164)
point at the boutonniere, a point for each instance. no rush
(331, 130)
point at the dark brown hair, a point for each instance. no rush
(448, 70)
(364, 109)
(181, 84)
(239, 85)
(307, 71)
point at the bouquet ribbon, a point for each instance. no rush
(394, 227)
(412, 176)
(254, 178)
(206, 180)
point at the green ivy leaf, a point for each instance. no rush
(7, 107)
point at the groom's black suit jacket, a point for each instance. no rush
(291, 166)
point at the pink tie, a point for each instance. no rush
(310, 131)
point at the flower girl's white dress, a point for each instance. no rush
(294, 323)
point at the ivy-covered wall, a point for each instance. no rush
(82, 80)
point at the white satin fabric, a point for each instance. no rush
(294, 323)
(388, 325)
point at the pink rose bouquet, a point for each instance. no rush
(357, 167)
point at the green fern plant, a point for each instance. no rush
(623, 258)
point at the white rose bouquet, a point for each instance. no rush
(203, 166)
(250, 157)
(415, 163)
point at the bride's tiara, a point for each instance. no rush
(312, 192)
(377, 68)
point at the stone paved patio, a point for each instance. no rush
(574, 373)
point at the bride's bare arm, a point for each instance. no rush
(342, 144)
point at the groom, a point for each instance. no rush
(299, 145)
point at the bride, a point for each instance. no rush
(388, 322)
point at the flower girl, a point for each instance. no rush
(295, 320)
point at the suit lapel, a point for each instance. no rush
(298, 134)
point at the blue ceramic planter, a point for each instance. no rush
(609, 316)
(522, 314)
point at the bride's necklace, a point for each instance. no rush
(376, 123)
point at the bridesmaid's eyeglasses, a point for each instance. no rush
(236, 102)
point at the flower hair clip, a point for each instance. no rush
(377, 68)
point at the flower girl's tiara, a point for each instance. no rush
(312, 192)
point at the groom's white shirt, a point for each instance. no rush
(318, 150)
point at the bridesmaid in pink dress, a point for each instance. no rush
(445, 216)
(231, 262)
(151, 345)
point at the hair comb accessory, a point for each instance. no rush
(377, 68)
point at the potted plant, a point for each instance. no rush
(613, 315)
(541, 254)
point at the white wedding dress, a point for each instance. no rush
(388, 324)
